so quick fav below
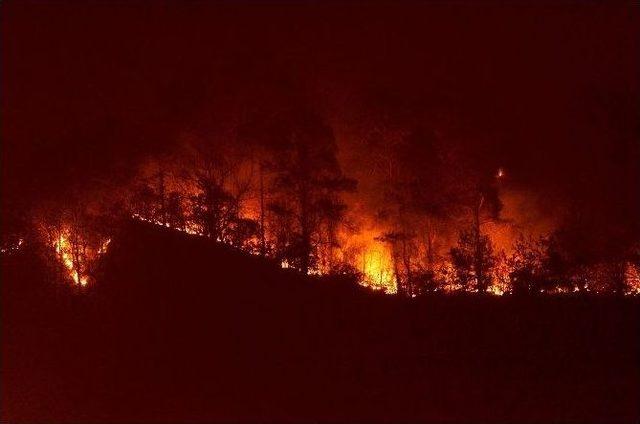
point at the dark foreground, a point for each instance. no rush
(179, 330)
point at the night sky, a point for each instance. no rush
(551, 92)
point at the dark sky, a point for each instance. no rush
(88, 89)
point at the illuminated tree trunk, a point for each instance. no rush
(430, 239)
(332, 241)
(305, 259)
(304, 201)
(407, 266)
(429, 252)
(214, 217)
(618, 277)
(478, 254)
(75, 255)
(263, 244)
(162, 196)
(396, 271)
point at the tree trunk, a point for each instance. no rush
(430, 252)
(263, 244)
(407, 266)
(305, 212)
(332, 242)
(478, 254)
(396, 271)
(162, 196)
(306, 240)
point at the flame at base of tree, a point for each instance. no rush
(64, 252)
(374, 261)
(76, 257)
(411, 257)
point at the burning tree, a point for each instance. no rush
(214, 206)
(305, 193)
(402, 251)
(158, 192)
(476, 193)
(273, 185)
(409, 162)
(75, 235)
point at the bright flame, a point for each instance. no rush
(373, 259)
(103, 248)
(63, 249)
(496, 290)
(376, 267)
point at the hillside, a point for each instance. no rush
(181, 329)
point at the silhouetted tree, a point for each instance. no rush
(331, 211)
(75, 233)
(473, 260)
(174, 210)
(307, 179)
(526, 264)
(242, 233)
(215, 170)
(403, 252)
(156, 194)
(256, 132)
(414, 170)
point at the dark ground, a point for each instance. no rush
(179, 329)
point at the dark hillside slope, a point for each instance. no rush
(181, 329)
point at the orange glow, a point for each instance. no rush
(377, 269)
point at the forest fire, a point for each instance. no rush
(406, 188)
(405, 254)
(69, 260)
(483, 251)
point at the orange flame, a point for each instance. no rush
(377, 269)
(64, 251)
